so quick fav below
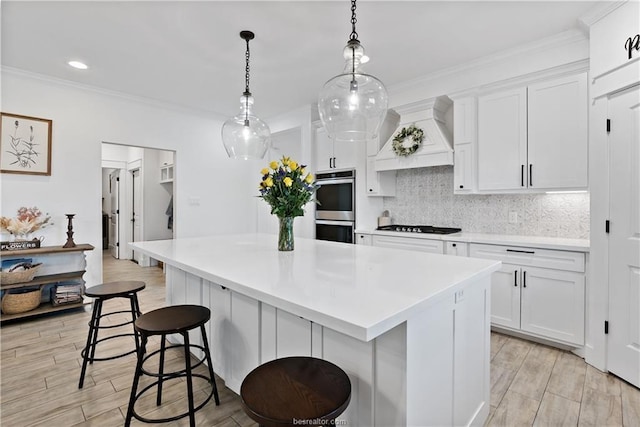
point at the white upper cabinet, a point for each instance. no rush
(534, 137)
(333, 155)
(557, 135)
(502, 140)
(464, 142)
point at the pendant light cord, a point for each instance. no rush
(246, 93)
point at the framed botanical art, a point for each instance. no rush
(25, 145)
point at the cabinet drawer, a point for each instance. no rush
(545, 258)
(363, 239)
(423, 245)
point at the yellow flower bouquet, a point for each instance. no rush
(286, 187)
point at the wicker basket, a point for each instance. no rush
(20, 302)
(12, 277)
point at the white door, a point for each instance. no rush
(136, 206)
(502, 140)
(624, 237)
(505, 296)
(114, 215)
(557, 129)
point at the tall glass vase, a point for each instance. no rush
(285, 234)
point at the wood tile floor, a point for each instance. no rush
(531, 384)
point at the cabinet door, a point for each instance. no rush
(553, 304)
(379, 183)
(557, 133)
(363, 239)
(345, 154)
(324, 151)
(505, 296)
(244, 339)
(457, 248)
(463, 169)
(293, 335)
(464, 120)
(502, 140)
(219, 301)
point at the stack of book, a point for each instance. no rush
(67, 294)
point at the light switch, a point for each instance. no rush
(513, 217)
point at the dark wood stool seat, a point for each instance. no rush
(176, 319)
(101, 293)
(114, 289)
(295, 391)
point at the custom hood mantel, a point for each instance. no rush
(436, 148)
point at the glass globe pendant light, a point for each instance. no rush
(353, 105)
(245, 136)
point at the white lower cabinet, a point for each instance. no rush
(437, 353)
(553, 304)
(456, 248)
(243, 339)
(527, 297)
(409, 243)
(363, 239)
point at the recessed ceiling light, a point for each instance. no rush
(77, 64)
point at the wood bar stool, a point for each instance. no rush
(175, 319)
(295, 391)
(102, 293)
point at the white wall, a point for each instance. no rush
(213, 192)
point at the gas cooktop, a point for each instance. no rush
(419, 229)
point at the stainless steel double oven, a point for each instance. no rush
(335, 212)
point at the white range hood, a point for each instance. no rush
(436, 148)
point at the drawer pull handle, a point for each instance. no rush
(515, 278)
(521, 252)
(524, 279)
(453, 244)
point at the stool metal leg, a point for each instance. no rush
(163, 345)
(136, 379)
(135, 299)
(134, 316)
(210, 364)
(96, 327)
(187, 356)
(85, 352)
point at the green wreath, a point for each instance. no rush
(412, 132)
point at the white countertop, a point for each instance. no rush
(558, 243)
(361, 291)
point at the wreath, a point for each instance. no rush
(412, 132)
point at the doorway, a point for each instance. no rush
(137, 198)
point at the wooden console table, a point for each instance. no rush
(59, 265)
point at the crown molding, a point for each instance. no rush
(555, 41)
(113, 93)
(600, 11)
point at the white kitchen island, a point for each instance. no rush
(411, 329)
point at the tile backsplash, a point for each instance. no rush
(425, 196)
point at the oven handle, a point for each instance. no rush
(335, 181)
(327, 222)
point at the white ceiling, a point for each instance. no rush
(190, 53)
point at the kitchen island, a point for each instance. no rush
(411, 329)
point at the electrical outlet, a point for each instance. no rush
(513, 217)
